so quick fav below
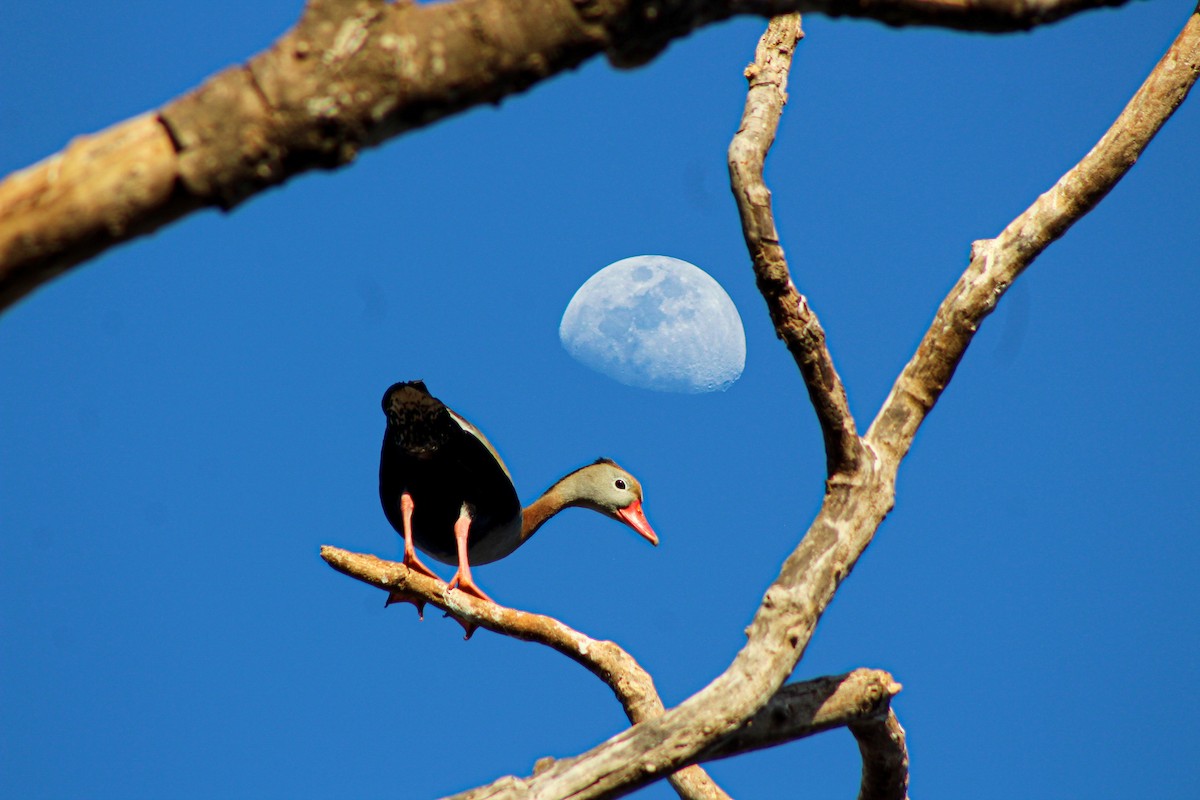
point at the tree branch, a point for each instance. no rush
(795, 322)
(885, 758)
(352, 75)
(881, 740)
(632, 685)
(996, 263)
(798, 710)
(608, 662)
(856, 503)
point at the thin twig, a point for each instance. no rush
(794, 320)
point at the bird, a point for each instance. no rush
(445, 489)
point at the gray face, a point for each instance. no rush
(608, 488)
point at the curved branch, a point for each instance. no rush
(352, 75)
(632, 685)
(796, 711)
(795, 322)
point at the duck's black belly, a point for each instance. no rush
(445, 469)
(440, 488)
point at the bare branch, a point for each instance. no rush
(996, 263)
(885, 758)
(352, 75)
(119, 184)
(858, 698)
(796, 711)
(632, 685)
(856, 503)
(795, 322)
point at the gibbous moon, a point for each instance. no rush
(657, 323)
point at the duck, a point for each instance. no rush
(447, 492)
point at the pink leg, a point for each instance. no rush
(410, 559)
(410, 554)
(462, 579)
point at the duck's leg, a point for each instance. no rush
(462, 579)
(410, 558)
(410, 553)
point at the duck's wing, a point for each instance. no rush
(490, 494)
(478, 434)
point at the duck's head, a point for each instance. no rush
(609, 489)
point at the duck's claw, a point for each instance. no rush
(464, 584)
(412, 562)
(397, 596)
(469, 628)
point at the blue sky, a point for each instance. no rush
(184, 421)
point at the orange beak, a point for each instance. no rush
(633, 516)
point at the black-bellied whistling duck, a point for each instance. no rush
(446, 491)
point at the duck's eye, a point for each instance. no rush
(620, 484)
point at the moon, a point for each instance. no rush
(656, 322)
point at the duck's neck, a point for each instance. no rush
(564, 494)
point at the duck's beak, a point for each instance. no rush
(633, 516)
